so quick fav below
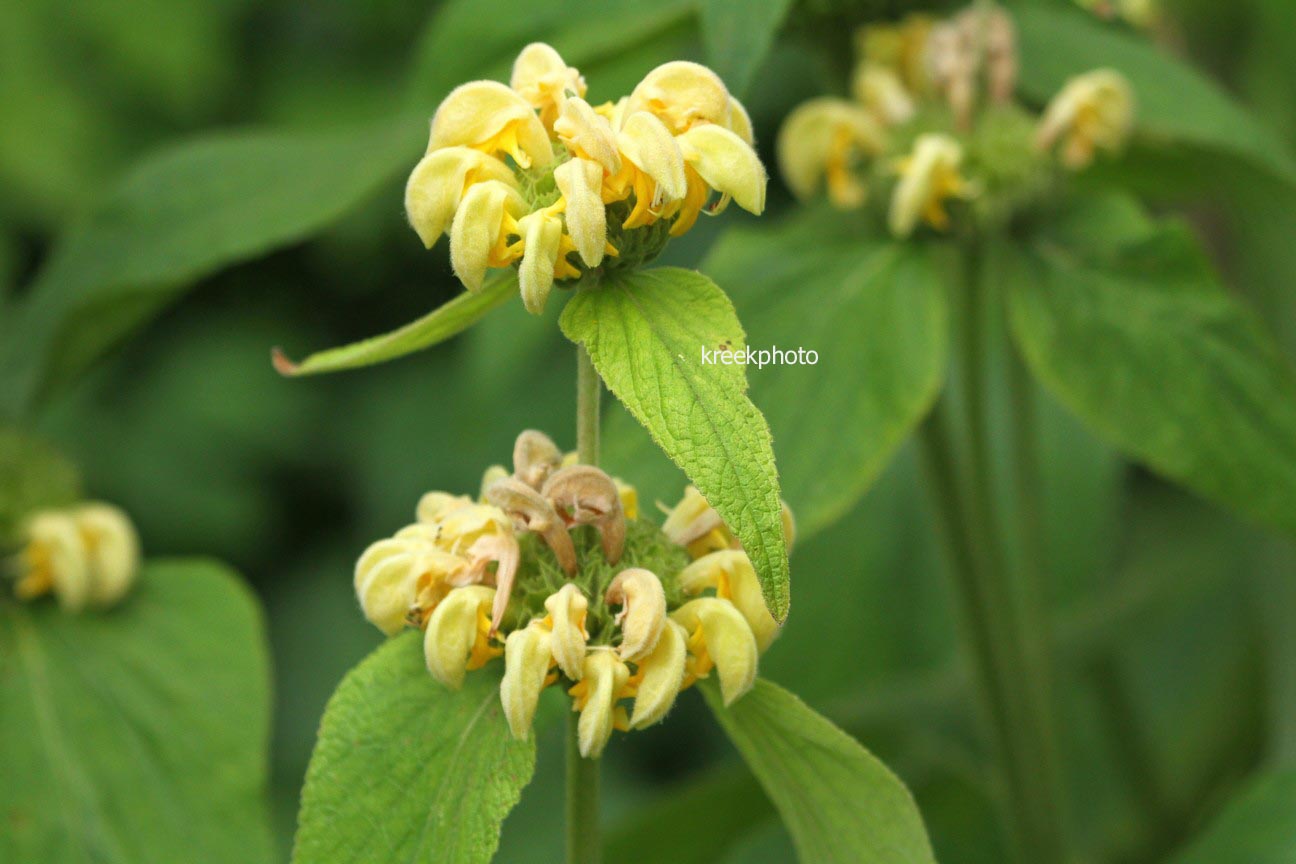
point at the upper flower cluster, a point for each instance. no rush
(920, 113)
(86, 555)
(554, 569)
(534, 175)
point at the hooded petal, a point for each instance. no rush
(456, 634)
(821, 140)
(690, 519)
(434, 505)
(720, 636)
(604, 678)
(682, 94)
(928, 177)
(732, 576)
(55, 559)
(727, 163)
(1092, 111)
(646, 142)
(740, 122)
(479, 227)
(112, 550)
(581, 184)
(643, 615)
(437, 184)
(661, 674)
(878, 88)
(567, 610)
(488, 116)
(527, 658)
(542, 237)
(588, 134)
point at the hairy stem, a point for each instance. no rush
(1001, 615)
(584, 845)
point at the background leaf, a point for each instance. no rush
(645, 332)
(407, 770)
(438, 325)
(1257, 827)
(837, 800)
(1135, 335)
(137, 735)
(32, 475)
(738, 34)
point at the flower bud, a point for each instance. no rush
(55, 559)
(437, 185)
(595, 696)
(719, 636)
(732, 576)
(643, 615)
(567, 610)
(456, 638)
(489, 117)
(527, 657)
(112, 551)
(660, 675)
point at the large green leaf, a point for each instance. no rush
(1258, 827)
(1130, 329)
(32, 475)
(738, 34)
(438, 325)
(1176, 105)
(839, 803)
(874, 311)
(137, 735)
(647, 333)
(177, 217)
(406, 770)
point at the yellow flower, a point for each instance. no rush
(486, 218)
(543, 79)
(487, 116)
(595, 696)
(581, 183)
(400, 574)
(435, 505)
(566, 619)
(732, 576)
(437, 185)
(659, 676)
(527, 659)
(587, 135)
(693, 524)
(928, 177)
(55, 559)
(683, 94)
(643, 615)
(1094, 111)
(112, 551)
(652, 168)
(544, 255)
(719, 159)
(457, 635)
(822, 142)
(879, 89)
(629, 498)
(719, 637)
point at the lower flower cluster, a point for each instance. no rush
(553, 568)
(85, 555)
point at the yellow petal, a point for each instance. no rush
(460, 528)
(740, 122)
(682, 95)
(690, 519)
(479, 225)
(929, 176)
(490, 476)
(488, 116)
(386, 581)
(649, 145)
(643, 615)
(55, 559)
(629, 498)
(456, 628)
(878, 88)
(1094, 111)
(567, 610)
(581, 184)
(662, 674)
(112, 550)
(437, 184)
(727, 163)
(823, 138)
(526, 666)
(435, 505)
(542, 237)
(730, 572)
(543, 79)
(588, 134)
(728, 642)
(604, 677)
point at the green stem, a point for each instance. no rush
(584, 845)
(1008, 653)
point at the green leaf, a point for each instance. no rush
(177, 217)
(876, 313)
(738, 34)
(1131, 331)
(839, 802)
(1257, 827)
(438, 325)
(137, 735)
(406, 770)
(645, 332)
(1175, 104)
(32, 475)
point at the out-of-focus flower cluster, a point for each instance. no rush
(86, 555)
(932, 118)
(531, 174)
(553, 568)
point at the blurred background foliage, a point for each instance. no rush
(1166, 683)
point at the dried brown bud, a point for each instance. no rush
(535, 457)
(531, 512)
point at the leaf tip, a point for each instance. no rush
(282, 364)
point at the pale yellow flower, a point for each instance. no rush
(643, 614)
(595, 696)
(659, 677)
(437, 185)
(730, 573)
(824, 142)
(527, 660)
(543, 79)
(112, 551)
(588, 135)
(581, 183)
(490, 117)
(567, 611)
(457, 636)
(879, 89)
(1092, 112)
(929, 176)
(486, 218)
(719, 637)
(54, 558)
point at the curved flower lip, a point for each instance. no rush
(928, 177)
(1092, 111)
(480, 229)
(682, 94)
(731, 574)
(602, 683)
(527, 658)
(643, 615)
(488, 116)
(819, 141)
(720, 635)
(455, 639)
(542, 234)
(727, 163)
(543, 79)
(660, 674)
(437, 185)
(567, 610)
(581, 183)
(646, 142)
(587, 134)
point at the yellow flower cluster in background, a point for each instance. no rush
(86, 555)
(515, 574)
(528, 174)
(918, 92)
